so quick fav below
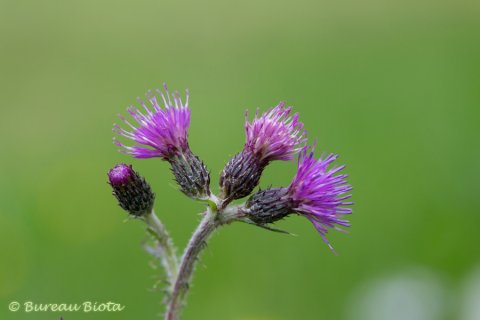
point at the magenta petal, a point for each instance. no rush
(318, 193)
(275, 135)
(161, 132)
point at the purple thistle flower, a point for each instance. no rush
(163, 132)
(275, 135)
(315, 192)
(319, 194)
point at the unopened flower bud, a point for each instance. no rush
(268, 206)
(133, 193)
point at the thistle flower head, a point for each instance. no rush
(319, 194)
(133, 193)
(275, 135)
(158, 132)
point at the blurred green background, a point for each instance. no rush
(391, 86)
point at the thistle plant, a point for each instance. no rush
(317, 192)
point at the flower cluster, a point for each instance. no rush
(317, 192)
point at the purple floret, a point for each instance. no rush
(161, 132)
(120, 174)
(275, 135)
(319, 194)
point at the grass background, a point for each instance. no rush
(391, 86)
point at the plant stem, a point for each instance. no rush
(165, 245)
(195, 246)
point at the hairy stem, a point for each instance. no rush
(195, 246)
(167, 253)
